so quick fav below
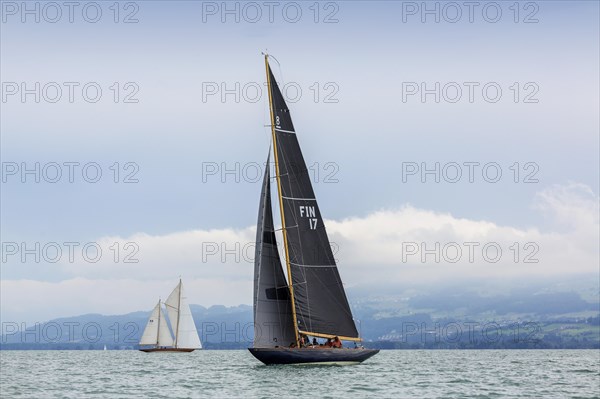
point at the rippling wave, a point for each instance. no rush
(236, 374)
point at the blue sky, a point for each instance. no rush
(363, 61)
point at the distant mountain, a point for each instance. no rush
(216, 325)
(402, 319)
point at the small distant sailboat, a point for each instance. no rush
(104, 347)
(158, 338)
(312, 302)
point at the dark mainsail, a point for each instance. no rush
(319, 297)
(273, 322)
(313, 300)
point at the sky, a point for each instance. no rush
(446, 143)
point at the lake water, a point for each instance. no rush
(236, 374)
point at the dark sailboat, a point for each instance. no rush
(312, 302)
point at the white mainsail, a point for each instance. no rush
(182, 322)
(157, 331)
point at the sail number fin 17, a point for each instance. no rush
(309, 212)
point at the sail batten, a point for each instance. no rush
(285, 131)
(318, 295)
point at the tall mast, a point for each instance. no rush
(158, 329)
(178, 314)
(283, 228)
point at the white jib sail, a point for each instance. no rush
(157, 331)
(150, 335)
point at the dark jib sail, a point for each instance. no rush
(273, 322)
(320, 301)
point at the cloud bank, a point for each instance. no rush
(389, 246)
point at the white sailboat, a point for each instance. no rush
(157, 336)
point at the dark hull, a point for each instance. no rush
(166, 350)
(312, 355)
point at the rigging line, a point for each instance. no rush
(274, 134)
(280, 314)
(272, 56)
(286, 228)
(258, 278)
(289, 187)
(302, 315)
(280, 72)
(282, 81)
(267, 115)
(309, 316)
(264, 115)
